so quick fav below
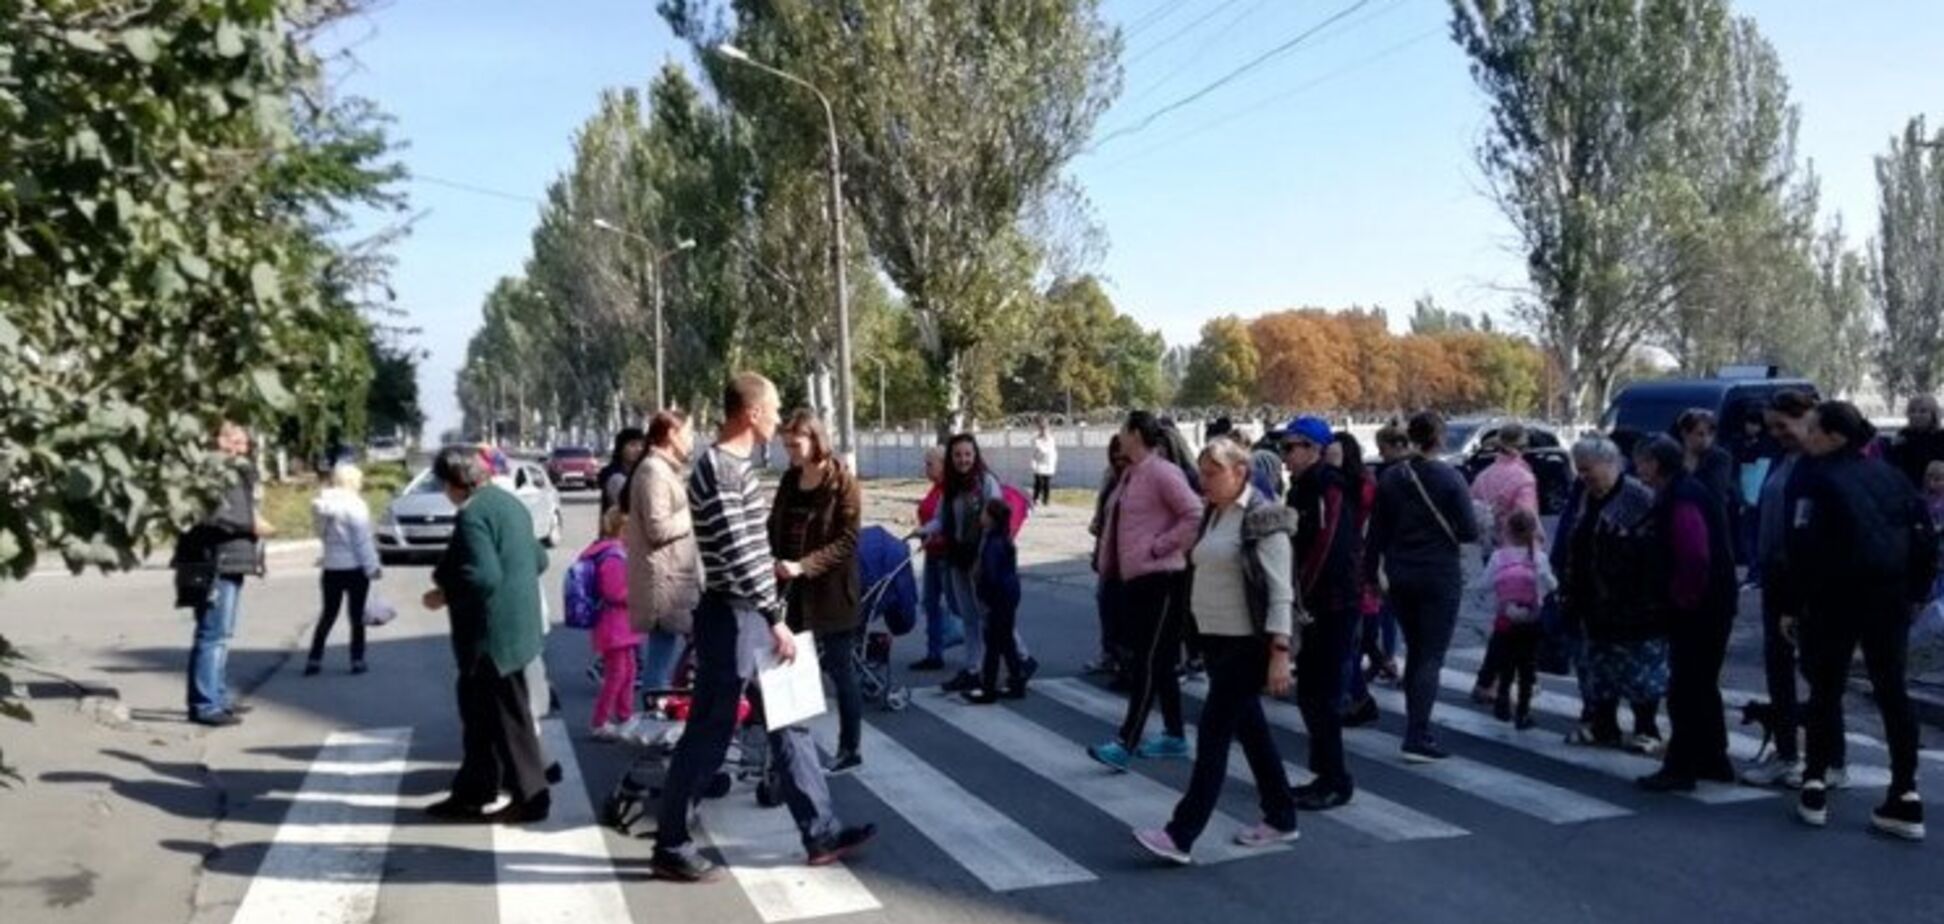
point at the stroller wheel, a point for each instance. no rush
(896, 699)
(719, 785)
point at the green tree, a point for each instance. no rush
(1844, 341)
(1086, 355)
(1428, 318)
(1909, 260)
(955, 118)
(1222, 368)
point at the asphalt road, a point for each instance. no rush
(309, 810)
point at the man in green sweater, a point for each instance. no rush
(488, 583)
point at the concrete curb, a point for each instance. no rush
(282, 551)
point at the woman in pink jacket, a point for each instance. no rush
(614, 637)
(1151, 521)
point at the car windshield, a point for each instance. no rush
(1457, 434)
(573, 452)
(1647, 415)
(424, 484)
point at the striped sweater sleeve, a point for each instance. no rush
(731, 531)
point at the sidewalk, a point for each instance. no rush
(287, 552)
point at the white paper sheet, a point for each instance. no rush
(792, 692)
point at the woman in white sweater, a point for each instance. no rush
(350, 562)
(1246, 609)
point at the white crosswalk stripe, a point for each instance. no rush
(996, 849)
(575, 883)
(325, 863)
(1131, 798)
(1368, 812)
(1522, 794)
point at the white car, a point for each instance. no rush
(385, 449)
(418, 523)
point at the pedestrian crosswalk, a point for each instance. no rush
(328, 864)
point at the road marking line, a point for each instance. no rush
(764, 852)
(991, 846)
(324, 865)
(1522, 794)
(1370, 813)
(558, 871)
(1551, 746)
(1130, 798)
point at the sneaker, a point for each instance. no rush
(1317, 797)
(1362, 714)
(1160, 843)
(358, 667)
(531, 812)
(681, 867)
(1426, 753)
(217, 720)
(1813, 805)
(842, 844)
(312, 669)
(1901, 816)
(1263, 834)
(1837, 778)
(453, 808)
(980, 697)
(612, 731)
(928, 664)
(1164, 747)
(1647, 745)
(1113, 754)
(1774, 771)
(966, 680)
(843, 763)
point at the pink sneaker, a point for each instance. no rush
(1263, 834)
(1158, 842)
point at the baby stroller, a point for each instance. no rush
(633, 797)
(888, 608)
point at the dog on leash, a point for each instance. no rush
(1765, 714)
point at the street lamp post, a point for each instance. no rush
(655, 287)
(846, 395)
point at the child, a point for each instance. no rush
(1520, 576)
(613, 637)
(996, 580)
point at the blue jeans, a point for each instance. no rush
(1427, 611)
(661, 653)
(837, 655)
(729, 634)
(942, 627)
(209, 652)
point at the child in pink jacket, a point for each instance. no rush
(614, 638)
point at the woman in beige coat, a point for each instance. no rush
(664, 567)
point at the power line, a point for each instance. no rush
(1298, 90)
(1184, 30)
(476, 190)
(1196, 57)
(1155, 14)
(1235, 74)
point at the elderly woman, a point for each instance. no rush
(813, 533)
(1418, 531)
(1605, 590)
(1694, 580)
(1245, 607)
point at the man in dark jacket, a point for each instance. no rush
(211, 561)
(1326, 553)
(488, 582)
(1853, 579)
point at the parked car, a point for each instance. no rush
(573, 467)
(1552, 463)
(1652, 407)
(418, 523)
(384, 449)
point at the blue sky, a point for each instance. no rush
(1338, 174)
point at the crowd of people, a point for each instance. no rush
(1288, 565)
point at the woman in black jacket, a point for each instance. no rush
(1418, 529)
(1856, 571)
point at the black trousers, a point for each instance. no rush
(1779, 668)
(1042, 489)
(1518, 660)
(1494, 663)
(338, 585)
(1829, 642)
(1697, 743)
(1155, 632)
(502, 746)
(1319, 684)
(1237, 667)
(1001, 645)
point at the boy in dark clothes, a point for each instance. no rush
(996, 581)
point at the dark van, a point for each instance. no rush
(1652, 407)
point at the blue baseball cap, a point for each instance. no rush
(1308, 428)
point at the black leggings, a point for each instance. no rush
(1042, 489)
(1001, 645)
(1518, 660)
(337, 585)
(1156, 633)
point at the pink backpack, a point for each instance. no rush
(1022, 507)
(1517, 587)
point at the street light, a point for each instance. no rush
(846, 394)
(654, 282)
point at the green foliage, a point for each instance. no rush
(1222, 369)
(1909, 260)
(169, 171)
(1085, 354)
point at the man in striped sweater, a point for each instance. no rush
(740, 612)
